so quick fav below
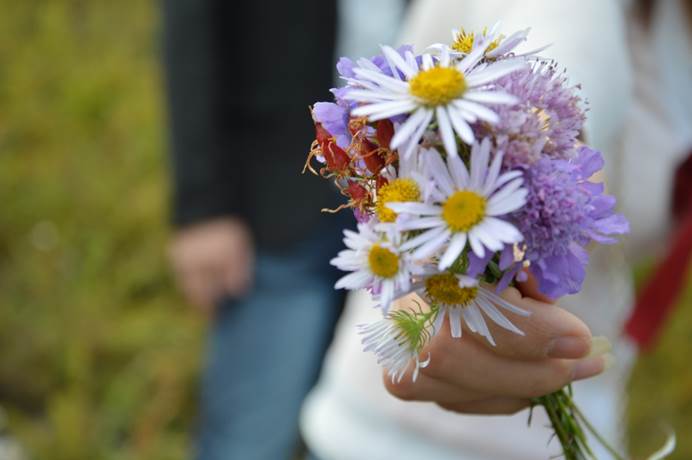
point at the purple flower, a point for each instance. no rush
(563, 213)
(333, 118)
(546, 121)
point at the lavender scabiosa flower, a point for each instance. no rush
(547, 119)
(564, 211)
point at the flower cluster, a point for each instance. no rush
(465, 172)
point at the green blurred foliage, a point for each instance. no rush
(660, 388)
(99, 356)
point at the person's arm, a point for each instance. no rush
(212, 247)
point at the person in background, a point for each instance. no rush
(634, 61)
(249, 243)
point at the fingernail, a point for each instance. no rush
(589, 367)
(569, 347)
(600, 345)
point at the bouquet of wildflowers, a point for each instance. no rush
(466, 173)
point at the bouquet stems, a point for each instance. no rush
(571, 426)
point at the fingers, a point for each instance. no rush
(491, 406)
(549, 332)
(427, 388)
(472, 367)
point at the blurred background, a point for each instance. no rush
(99, 355)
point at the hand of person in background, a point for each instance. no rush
(213, 259)
(469, 375)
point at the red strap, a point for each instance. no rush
(660, 294)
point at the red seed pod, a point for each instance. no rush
(372, 158)
(337, 160)
(321, 134)
(357, 192)
(385, 132)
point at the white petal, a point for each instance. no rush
(506, 177)
(458, 171)
(495, 71)
(460, 125)
(396, 58)
(493, 173)
(476, 245)
(476, 314)
(420, 224)
(478, 110)
(503, 230)
(438, 170)
(403, 133)
(506, 191)
(385, 81)
(470, 320)
(374, 95)
(421, 239)
(446, 131)
(472, 58)
(486, 238)
(490, 97)
(432, 246)
(415, 139)
(355, 280)
(411, 61)
(415, 208)
(500, 302)
(507, 204)
(497, 317)
(456, 246)
(428, 62)
(455, 321)
(439, 320)
(476, 174)
(393, 107)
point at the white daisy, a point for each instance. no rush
(404, 183)
(376, 263)
(460, 296)
(466, 208)
(394, 349)
(452, 93)
(499, 47)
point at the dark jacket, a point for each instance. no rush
(240, 77)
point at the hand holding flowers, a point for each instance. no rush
(464, 168)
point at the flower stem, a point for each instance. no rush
(567, 420)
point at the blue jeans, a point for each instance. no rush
(264, 355)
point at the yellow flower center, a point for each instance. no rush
(444, 288)
(463, 42)
(438, 86)
(383, 262)
(463, 210)
(398, 190)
